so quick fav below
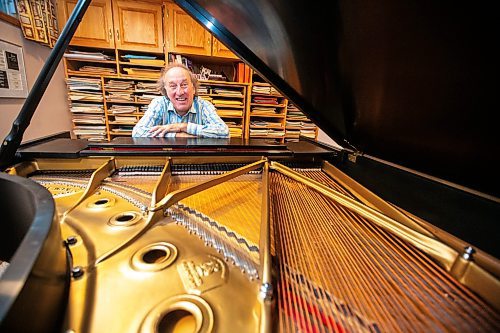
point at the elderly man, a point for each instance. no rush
(179, 112)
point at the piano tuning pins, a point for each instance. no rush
(468, 252)
(462, 262)
(202, 226)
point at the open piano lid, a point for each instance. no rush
(412, 83)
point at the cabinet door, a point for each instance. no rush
(96, 27)
(138, 26)
(220, 50)
(185, 35)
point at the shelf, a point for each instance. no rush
(240, 124)
(74, 73)
(110, 114)
(222, 83)
(266, 95)
(120, 123)
(126, 102)
(267, 115)
(266, 137)
(120, 134)
(92, 61)
(219, 95)
(126, 63)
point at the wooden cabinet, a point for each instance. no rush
(96, 27)
(184, 35)
(220, 50)
(138, 26)
(124, 24)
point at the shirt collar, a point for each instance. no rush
(170, 106)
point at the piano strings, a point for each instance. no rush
(338, 272)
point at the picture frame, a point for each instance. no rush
(13, 82)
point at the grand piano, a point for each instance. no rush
(395, 231)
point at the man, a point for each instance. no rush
(179, 112)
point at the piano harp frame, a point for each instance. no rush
(478, 274)
(162, 198)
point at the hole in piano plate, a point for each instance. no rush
(125, 219)
(154, 256)
(177, 321)
(179, 314)
(101, 202)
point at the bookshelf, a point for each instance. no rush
(230, 99)
(273, 116)
(125, 101)
(107, 100)
(82, 61)
(145, 65)
(110, 87)
(86, 104)
(267, 115)
(297, 124)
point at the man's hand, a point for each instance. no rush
(161, 130)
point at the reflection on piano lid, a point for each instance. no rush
(391, 80)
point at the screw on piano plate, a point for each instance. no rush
(468, 252)
(77, 272)
(71, 240)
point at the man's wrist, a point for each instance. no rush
(192, 128)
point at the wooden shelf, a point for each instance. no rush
(126, 102)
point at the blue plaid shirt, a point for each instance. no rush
(202, 119)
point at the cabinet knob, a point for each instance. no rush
(110, 34)
(117, 34)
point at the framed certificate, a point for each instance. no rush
(12, 72)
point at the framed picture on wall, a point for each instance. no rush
(12, 72)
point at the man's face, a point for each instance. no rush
(180, 89)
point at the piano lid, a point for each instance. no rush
(409, 82)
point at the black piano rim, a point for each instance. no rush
(33, 241)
